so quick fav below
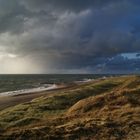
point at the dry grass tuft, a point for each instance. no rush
(107, 110)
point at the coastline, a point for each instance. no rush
(45, 88)
(32, 90)
(105, 105)
(12, 100)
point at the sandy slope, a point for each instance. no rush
(106, 110)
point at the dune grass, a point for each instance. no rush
(102, 110)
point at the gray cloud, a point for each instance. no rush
(63, 36)
(64, 5)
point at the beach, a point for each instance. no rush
(94, 109)
(12, 100)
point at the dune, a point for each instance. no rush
(107, 109)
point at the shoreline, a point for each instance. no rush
(32, 90)
(44, 88)
(12, 100)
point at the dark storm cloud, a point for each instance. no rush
(64, 34)
(120, 64)
(63, 5)
(11, 16)
(14, 13)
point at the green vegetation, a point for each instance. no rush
(107, 109)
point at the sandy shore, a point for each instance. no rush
(8, 101)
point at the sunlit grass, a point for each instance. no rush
(75, 113)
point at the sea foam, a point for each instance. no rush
(46, 87)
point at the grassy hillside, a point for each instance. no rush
(107, 110)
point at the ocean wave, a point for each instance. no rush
(45, 87)
(85, 80)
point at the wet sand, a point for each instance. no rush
(8, 101)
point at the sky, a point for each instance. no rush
(69, 36)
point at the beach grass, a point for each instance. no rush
(105, 109)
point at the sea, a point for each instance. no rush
(27, 83)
